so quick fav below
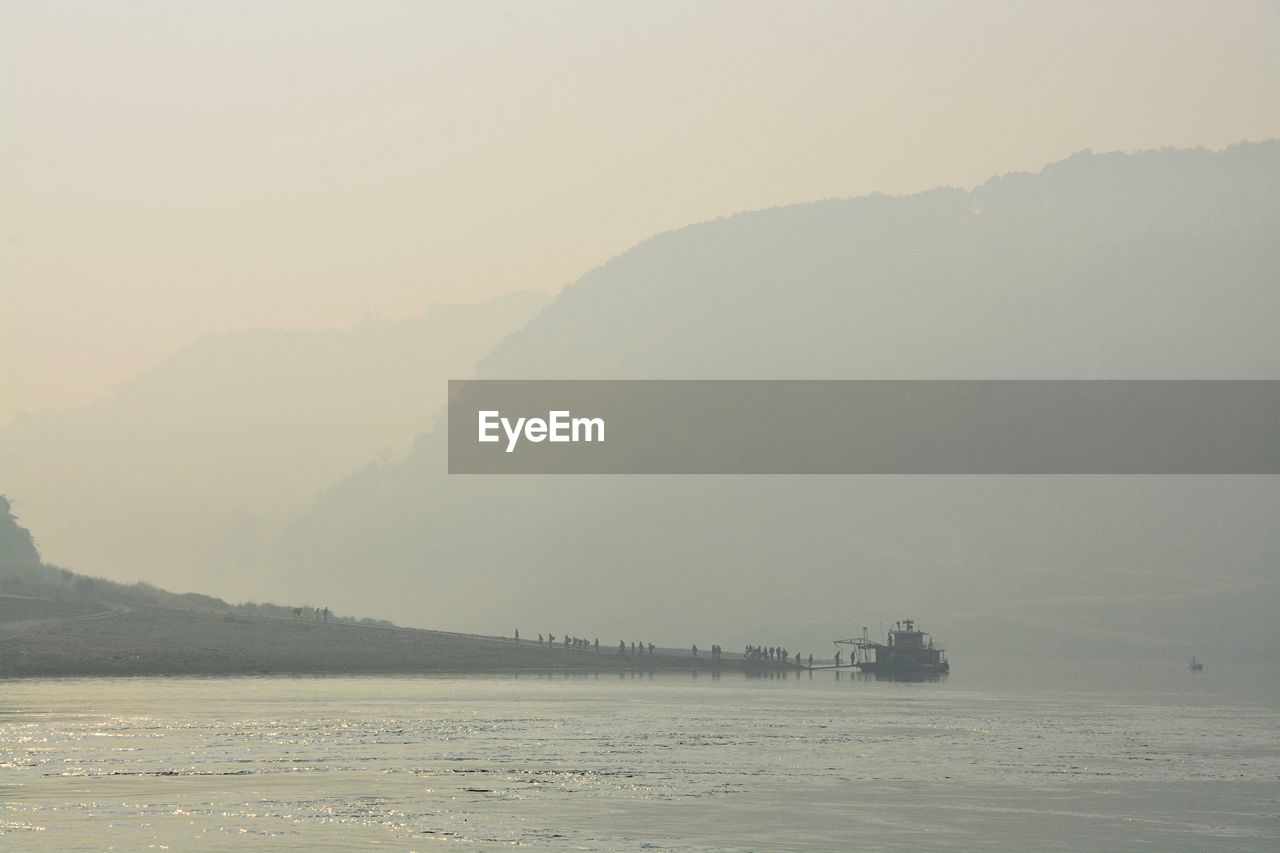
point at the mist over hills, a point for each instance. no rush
(1160, 264)
(186, 474)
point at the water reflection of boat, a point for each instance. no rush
(908, 677)
(1196, 666)
(907, 651)
(897, 677)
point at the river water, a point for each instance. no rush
(668, 761)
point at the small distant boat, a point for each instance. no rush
(907, 651)
(1196, 666)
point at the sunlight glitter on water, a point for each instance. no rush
(606, 763)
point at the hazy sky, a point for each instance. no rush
(174, 169)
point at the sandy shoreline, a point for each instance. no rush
(46, 638)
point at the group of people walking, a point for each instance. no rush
(581, 643)
(773, 654)
(764, 654)
(634, 649)
(321, 615)
(637, 649)
(568, 641)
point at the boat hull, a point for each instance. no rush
(904, 669)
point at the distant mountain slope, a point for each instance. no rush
(1161, 264)
(1146, 265)
(186, 474)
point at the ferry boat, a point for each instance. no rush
(906, 651)
(1196, 666)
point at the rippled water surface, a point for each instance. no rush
(662, 761)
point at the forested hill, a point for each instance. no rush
(25, 577)
(55, 622)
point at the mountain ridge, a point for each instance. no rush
(1152, 265)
